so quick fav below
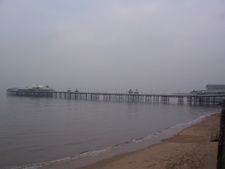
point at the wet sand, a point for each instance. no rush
(192, 148)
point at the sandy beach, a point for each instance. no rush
(192, 148)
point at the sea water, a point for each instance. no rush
(37, 131)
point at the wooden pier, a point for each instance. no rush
(192, 99)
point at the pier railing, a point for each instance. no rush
(221, 145)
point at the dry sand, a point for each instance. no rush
(191, 148)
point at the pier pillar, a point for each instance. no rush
(155, 99)
(168, 100)
(75, 96)
(105, 98)
(190, 100)
(68, 95)
(180, 100)
(149, 99)
(120, 98)
(146, 99)
(164, 99)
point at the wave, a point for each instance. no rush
(152, 138)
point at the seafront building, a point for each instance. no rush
(215, 88)
(211, 89)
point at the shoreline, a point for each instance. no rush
(190, 148)
(176, 138)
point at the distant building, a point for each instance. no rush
(136, 91)
(215, 87)
(211, 89)
(33, 90)
(38, 87)
(130, 91)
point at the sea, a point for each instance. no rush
(39, 131)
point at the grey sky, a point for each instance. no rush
(153, 45)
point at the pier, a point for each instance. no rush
(192, 99)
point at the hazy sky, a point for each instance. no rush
(153, 45)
